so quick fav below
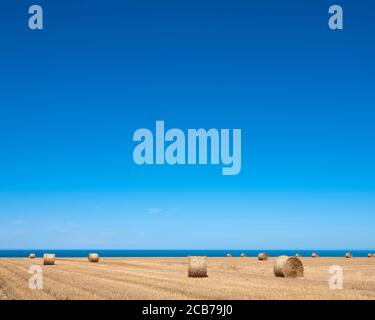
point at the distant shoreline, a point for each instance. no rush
(177, 253)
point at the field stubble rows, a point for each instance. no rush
(166, 278)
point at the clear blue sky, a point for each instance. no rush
(72, 95)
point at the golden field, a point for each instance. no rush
(166, 278)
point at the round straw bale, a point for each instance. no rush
(49, 259)
(93, 257)
(298, 255)
(315, 255)
(243, 255)
(288, 267)
(263, 256)
(32, 256)
(348, 255)
(197, 267)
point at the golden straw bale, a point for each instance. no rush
(49, 259)
(288, 267)
(263, 256)
(93, 257)
(197, 267)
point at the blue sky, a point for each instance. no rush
(73, 94)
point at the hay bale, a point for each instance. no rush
(263, 256)
(288, 267)
(315, 255)
(49, 259)
(32, 256)
(242, 255)
(229, 255)
(298, 255)
(348, 255)
(93, 257)
(197, 267)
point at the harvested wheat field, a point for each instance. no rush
(166, 278)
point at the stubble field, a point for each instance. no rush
(166, 278)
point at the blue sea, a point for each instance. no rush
(178, 253)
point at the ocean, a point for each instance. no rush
(177, 253)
